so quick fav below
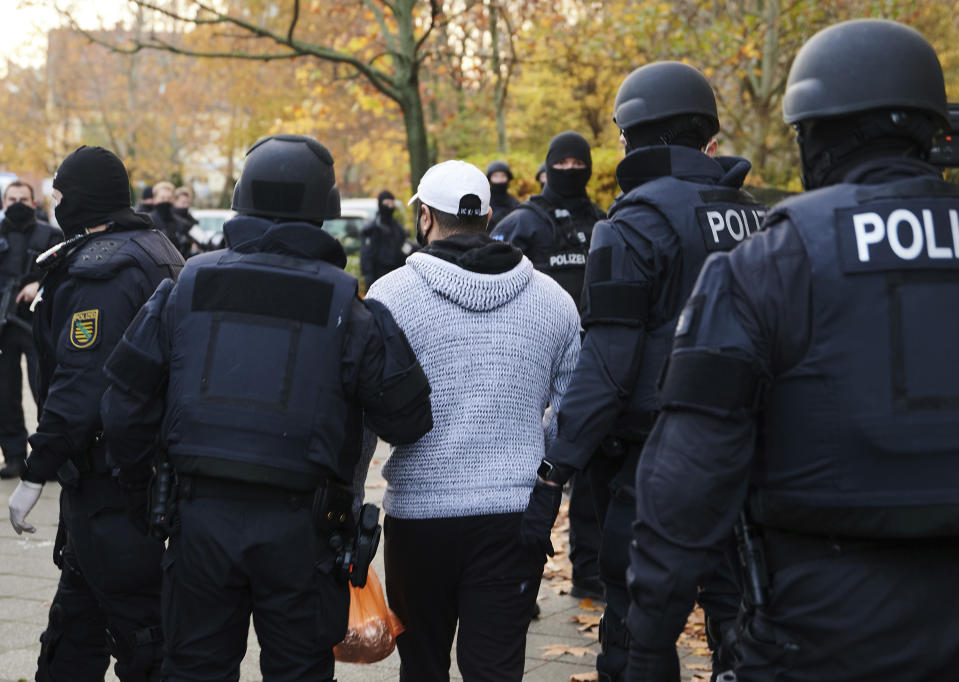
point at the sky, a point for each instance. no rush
(26, 22)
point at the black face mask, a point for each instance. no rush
(71, 217)
(498, 189)
(386, 212)
(164, 209)
(20, 213)
(568, 183)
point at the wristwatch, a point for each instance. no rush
(553, 473)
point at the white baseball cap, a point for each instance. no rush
(444, 186)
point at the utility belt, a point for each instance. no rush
(784, 549)
(92, 461)
(353, 541)
(763, 552)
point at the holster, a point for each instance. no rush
(368, 532)
(333, 509)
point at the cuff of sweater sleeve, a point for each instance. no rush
(563, 451)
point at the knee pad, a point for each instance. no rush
(138, 653)
(614, 642)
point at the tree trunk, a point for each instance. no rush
(499, 89)
(416, 140)
(407, 84)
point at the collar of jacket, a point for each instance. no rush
(249, 234)
(684, 163)
(881, 171)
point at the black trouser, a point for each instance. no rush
(15, 342)
(470, 569)
(871, 614)
(614, 491)
(110, 580)
(258, 553)
(584, 529)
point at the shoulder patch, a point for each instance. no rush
(85, 329)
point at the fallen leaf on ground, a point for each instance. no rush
(561, 649)
(589, 605)
(584, 677)
(698, 666)
(702, 651)
(586, 620)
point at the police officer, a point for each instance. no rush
(385, 245)
(23, 237)
(553, 230)
(501, 201)
(830, 329)
(257, 363)
(679, 204)
(94, 285)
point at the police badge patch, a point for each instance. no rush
(85, 328)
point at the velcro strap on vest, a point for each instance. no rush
(133, 370)
(711, 380)
(617, 303)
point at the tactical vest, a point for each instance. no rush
(565, 258)
(22, 249)
(255, 376)
(706, 219)
(861, 437)
(99, 256)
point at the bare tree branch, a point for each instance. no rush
(296, 16)
(435, 11)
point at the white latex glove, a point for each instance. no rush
(24, 498)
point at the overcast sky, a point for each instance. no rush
(24, 24)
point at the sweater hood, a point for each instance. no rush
(473, 291)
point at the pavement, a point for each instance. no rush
(561, 644)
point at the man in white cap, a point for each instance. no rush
(499, 342)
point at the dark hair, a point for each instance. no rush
(686, 130)
(449, 223)
(19, 183)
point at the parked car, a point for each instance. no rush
(354, 214)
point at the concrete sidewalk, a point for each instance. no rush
(560, 644)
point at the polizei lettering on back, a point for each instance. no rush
(726, 225)
(564, 259)
(912, 234)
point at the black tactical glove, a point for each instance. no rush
(539, 516)
(653, 666)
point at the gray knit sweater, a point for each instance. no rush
(497, 349)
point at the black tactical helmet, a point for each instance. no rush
(288, 176)
(496, 166)
(662, 90)
(861, 65)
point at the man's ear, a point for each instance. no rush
(711, 147)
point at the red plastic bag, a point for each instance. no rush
(373, 627)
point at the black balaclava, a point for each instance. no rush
(95, 187)
(498, 190)
(20, 214)
(539, 172)
(386, 213)
(830, 148)
(571, 182)
(684, 130)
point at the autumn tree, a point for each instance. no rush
(390, 58)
